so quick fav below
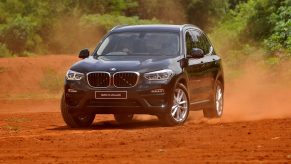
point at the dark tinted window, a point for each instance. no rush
(189, 43)
(198, 40)
(206, 44)
(191, 40)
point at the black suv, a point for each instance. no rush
(162, 70)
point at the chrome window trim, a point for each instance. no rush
(99, 72)
(137, 73)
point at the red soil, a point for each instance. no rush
(256, 126)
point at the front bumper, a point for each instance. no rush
(80, 97)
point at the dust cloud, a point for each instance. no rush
(165, 11)
(69, 35)
(259, 93)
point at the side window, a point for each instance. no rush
(200, 41)
(189, 42)
(206, 43)
(196, 39)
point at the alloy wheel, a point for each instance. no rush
(219, 100)
(180, 105)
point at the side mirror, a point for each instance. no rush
(197, 53)
(84, 53)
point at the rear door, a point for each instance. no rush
(210, 64)
(201, 71)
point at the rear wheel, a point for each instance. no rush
(123, 118)
(75, 120)
(179, 111)
(216, 108)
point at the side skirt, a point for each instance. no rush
(198, 105)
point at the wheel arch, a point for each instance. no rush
(220, 78)
(183, 81)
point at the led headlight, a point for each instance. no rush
(164, 74)
(73, 75)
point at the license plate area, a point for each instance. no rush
(110, 94)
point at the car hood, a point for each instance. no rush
(125, 63)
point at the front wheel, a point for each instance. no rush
(75, 120)
(179, 111)
(216, 107)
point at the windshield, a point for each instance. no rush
(140, 43)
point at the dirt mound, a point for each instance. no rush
(252, 96)
(28, 135)
(22, 75)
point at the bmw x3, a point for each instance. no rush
(162, 70)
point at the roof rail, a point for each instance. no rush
(118, 26)
(185, 25)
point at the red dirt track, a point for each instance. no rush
(255, 128)
(43, 137)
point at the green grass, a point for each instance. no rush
(3, 69)
(12, 122)
(28, 96)
(4, 52)
(11, 128)
(52, 81)
(17, 120)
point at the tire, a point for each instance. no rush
(216, 104)
(75, 120)
(179, 111)
(123, 118)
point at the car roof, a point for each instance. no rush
(155, 27)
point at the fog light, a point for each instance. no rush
(157, 91)
(72, 90)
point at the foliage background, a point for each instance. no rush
(239, 28)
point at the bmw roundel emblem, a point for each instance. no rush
(112, 69)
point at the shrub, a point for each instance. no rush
(19, 34)
(271, 24)
(51, 80)
(280, 37)
(4, 52)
